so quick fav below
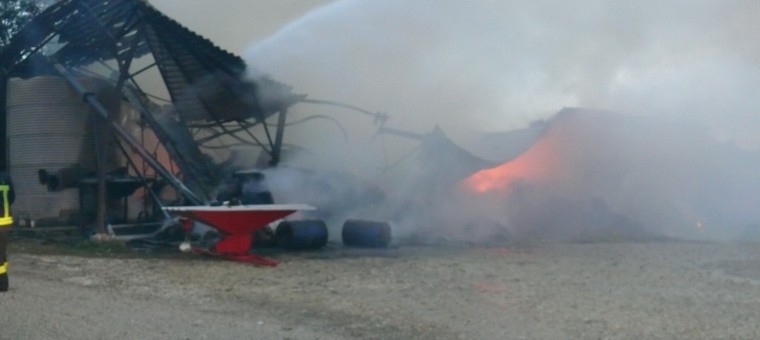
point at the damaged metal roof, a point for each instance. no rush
(210, 94)
(205, 82)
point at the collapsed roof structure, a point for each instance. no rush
(211, 98)
(206, 85)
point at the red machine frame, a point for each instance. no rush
(236, 225)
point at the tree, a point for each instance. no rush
(13, 15)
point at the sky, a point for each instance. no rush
(236, 24)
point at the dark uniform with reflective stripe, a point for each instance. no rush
(7, 196)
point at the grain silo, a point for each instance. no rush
(50, 127)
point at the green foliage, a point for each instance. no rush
(13, 15)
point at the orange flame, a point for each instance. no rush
(536, 164)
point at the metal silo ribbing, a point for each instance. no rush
(49, 127)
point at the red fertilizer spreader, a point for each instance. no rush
(236, 224)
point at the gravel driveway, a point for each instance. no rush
(660, 290)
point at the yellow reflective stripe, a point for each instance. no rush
(4, 188)
(6, 218)
(4, 268)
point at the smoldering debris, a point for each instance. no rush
(593, 176)
(631, 177)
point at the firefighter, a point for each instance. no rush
(7, 196)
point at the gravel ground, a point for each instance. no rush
(660, 290)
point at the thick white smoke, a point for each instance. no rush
(500, 65)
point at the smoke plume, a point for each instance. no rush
(682, 74)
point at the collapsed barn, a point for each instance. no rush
(83, 124)
(114, 111)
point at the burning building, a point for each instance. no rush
(598, 175)
(83, 119)
(112, 101)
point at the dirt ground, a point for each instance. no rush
(658, 290)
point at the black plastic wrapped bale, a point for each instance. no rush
(301, 235)
(367, 234)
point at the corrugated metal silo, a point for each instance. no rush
(48, 127)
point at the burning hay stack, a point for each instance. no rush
(597, 175)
